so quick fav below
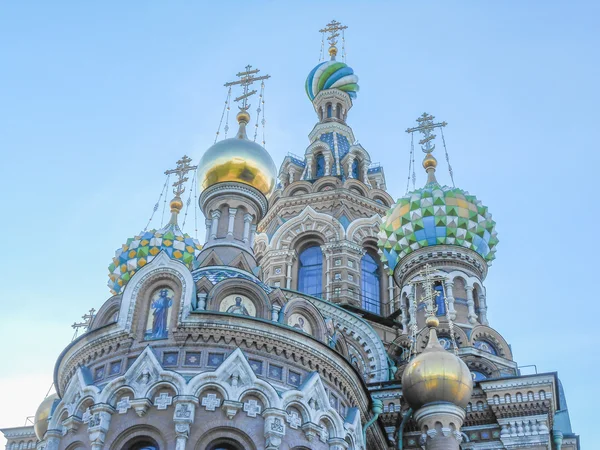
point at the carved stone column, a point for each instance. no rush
(252, 235)
(327, 253)
(52, 439)
(231, 223)
(412, 309)
(247, 223)
(471, 305)
(391, 294)
(207, 223)
(350, 162)
(483, 310)
(185, 408)
(98, 424)
(216, 214)
(275, 313)
(436, 437)
(449, 287)
(404, 316)
(274, 428)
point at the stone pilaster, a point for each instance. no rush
(471, 305)
(185, 409)
(434, 436)
(449, 287)
(274, 428)
(99, 424)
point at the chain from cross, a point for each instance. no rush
(183, 167)
(427, 280)
(426, 126)
(246, 80)
(87, 320)
(333, 28)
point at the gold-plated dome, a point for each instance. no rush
(40, 423)
(238, 159)
(436, 375)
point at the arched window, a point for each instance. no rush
(329, 110)
(355, 165)
(224, 446)
(370, 284)
(338, 111)
(439, 301)
(144, 444)
(310, 273)
(320, 165)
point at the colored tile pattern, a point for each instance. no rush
(436, 215)
(217, 274)
(192, 359)
(329, 75)
(143, 248)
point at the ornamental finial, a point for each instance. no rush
(183, 167)
(426, 127)
(247, 78)
(333, 28)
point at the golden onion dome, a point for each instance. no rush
(40, 423)
(238, 159)
(436, 375)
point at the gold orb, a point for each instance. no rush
(429, 161)
(176, 204)
(238, 159)
(436, 375)
(40, 423)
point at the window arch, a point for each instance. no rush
(320, 165)
(329, 110)
(310, 271)
(338, 111)
(142, 444)
(371, 284)
(355, 169)
(224, 446)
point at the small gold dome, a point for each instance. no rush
(238, 159)
(40, 423)
(436, 375)
(429, 161)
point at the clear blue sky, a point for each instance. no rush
(97, 99)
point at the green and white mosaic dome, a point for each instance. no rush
(436, 215)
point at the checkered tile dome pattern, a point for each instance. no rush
(436, 215)
(140, 250)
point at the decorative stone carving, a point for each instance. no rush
(123, 405)
(231, 408)
(252, 408)
(211, 402)
(163, 401)
(141, 406)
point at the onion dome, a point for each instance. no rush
(143, 248)
(238, 159)
(436, 375)
(436, 215)
(331, 75)
(40, 422)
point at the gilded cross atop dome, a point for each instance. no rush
(333, 28)
(247, 78)
(426, 127)
(180, 171)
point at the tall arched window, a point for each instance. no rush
(338, 111)
(370, 284)
(144, 444)
(439, 300)
(310, 273)
(329, 111)
(320, 165)
(355, 165)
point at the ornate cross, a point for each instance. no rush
(123, 405)
(333, 28)
(247, 78)
(183, 167)
(252, 408)
(87, 320)
(426, 126)
(163, 401)
(294, 420)
(211, 402)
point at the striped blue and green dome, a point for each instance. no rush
(436, 215)
(143, 248)
(329, 75)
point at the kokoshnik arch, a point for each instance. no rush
(318, 313)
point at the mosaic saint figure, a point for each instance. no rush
(238, 307)
(160, 312)
(299, 324)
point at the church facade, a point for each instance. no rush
(319, 313)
